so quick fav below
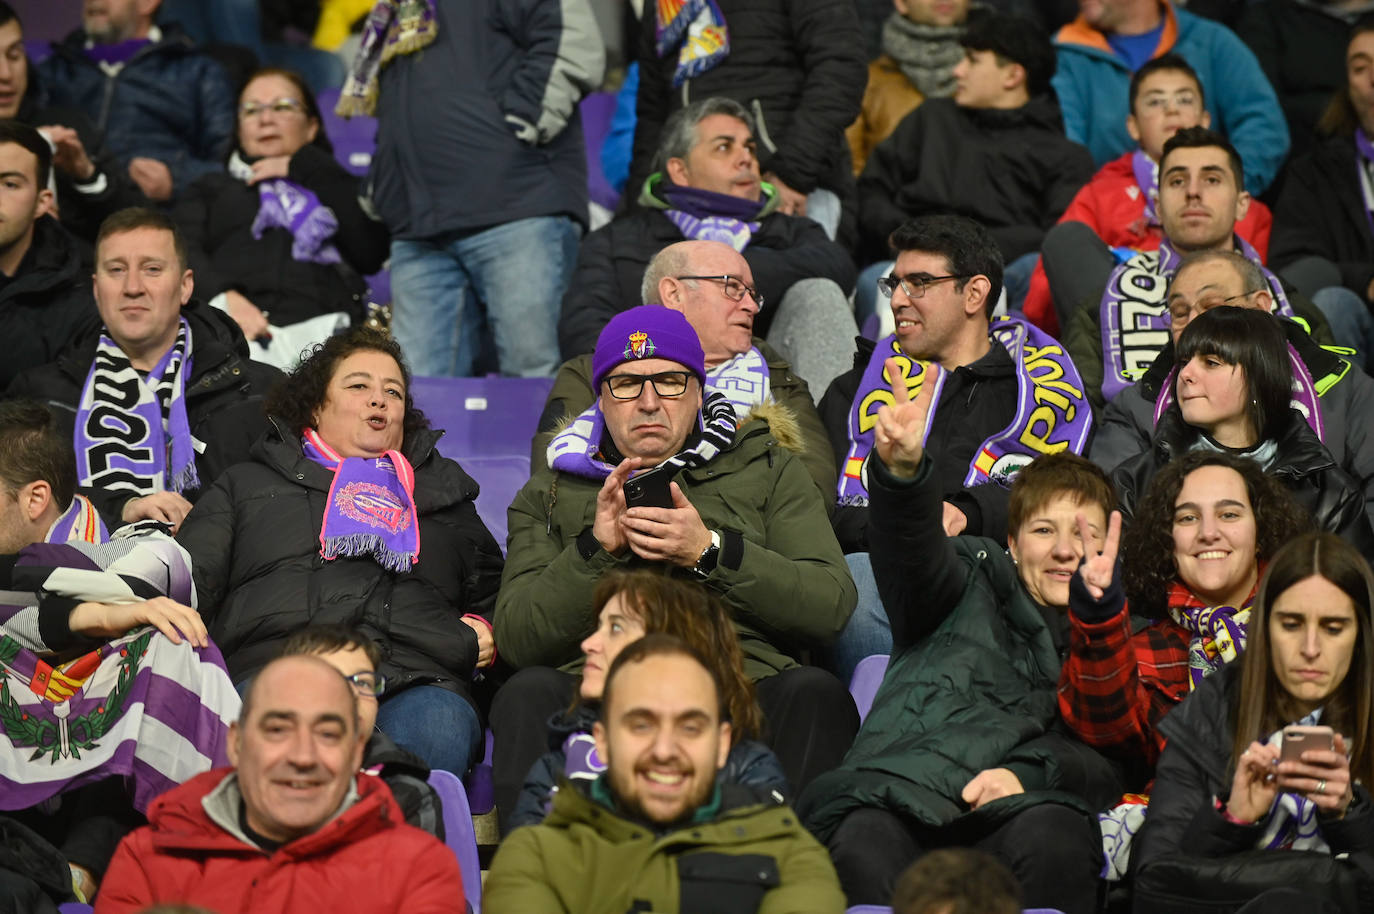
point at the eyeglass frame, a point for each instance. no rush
(279, 106)
(1192, 309)
(651, 378)
(374, 691)
(887, 285)
(725, 279)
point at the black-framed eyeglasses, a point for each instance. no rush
(280, 107)
(1182, 313)
(368, 684)
(734, 287)
(914, 286)
(666, 384)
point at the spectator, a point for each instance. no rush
(275, 552)
(480, 171)
(739, 365)
(279, 239)
(1111, 39)
(162, 396)
(978, 635)
(1322, 241)
(166, 110)
(1120, 204)
(1232, 389)
(664, 736)
(44, 299)
(995, 152)
(1309, 652)
(292, 819)
(920, 49)
(989, 418)
(957, 880)
(630, 605)
(707, 188)
(89, 184)
(745, 518)
(798, 65)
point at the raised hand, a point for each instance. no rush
(899, 436)
(610, 505)
(1255, 785)
(1099, 567)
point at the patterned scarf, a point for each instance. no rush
(393, 27)
(1051, 412)
(743, 380)
(1216, 633)
(371, 506)
(1146, 172)
(1291, 823)
(1134, 312)
(702, 215)
(132, 434)
(80, 522)
(699, 27)
(577, 449)
(926, 54)
(289, 205)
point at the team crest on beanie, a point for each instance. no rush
(639, 346)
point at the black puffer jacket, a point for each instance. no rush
(216, 218)
(254, 538)
(47, 303)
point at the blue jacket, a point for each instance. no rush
(1093, 85)
(169, 103)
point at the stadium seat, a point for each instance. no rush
(354, 139)
(458, 834)
(868, 675)
(479, 785)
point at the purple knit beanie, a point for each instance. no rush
(647, 332)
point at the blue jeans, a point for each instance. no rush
(868, 630)
(516, 271)
(437, 725)
(1351, 323)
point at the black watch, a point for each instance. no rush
(709, 557)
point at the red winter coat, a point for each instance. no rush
(367, 859)
(1112, 205)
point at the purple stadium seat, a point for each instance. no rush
(458, 834)
(478, 783)
(74, 907)
(354, 139)
(869, 909)
(868, 675)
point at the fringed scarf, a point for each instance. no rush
(371, 506)
(393, 27)
(1051, 412)
(132, 433)
(290, 205)
(699, 27)
(1216, 633)
(702, 215)
(577, 449)
(926, 54)
(1291, 823)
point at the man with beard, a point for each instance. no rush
(656, 832)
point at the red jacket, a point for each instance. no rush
(367, 859)
(1112, 205)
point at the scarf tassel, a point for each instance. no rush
(367, 545)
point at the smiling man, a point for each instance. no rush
(293, 818)
(663, 736)
(162, 396)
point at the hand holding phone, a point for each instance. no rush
(1298, 739)
(649, 490)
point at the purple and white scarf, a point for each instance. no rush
(393, 27)
(1134, 312)
(132, 434)
(290, 205)
(1052, 414)
(702, 215)
(371, 506)
(743, 380)
(577, 449)
(1146, 172)
(699, 27)
(1291, 823)
(80, 522)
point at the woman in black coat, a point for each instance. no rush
(349, 514)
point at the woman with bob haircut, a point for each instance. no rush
(631, 604)
(349, 514)
(1232, 391)
(1226, 796)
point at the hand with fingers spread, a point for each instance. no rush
(69, 154)
(1323, 776)
(899, 436)
(989, 785)
(1099, 568)
(610, 505)
(111, 620)
(169, 507)
(675, 534)
(1254, 786)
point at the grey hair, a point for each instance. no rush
(671, 261)
(680, 132)
(1252, 278)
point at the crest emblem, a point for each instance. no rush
(639, 346)
(373, 505)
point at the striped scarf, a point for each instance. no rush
(577, 449)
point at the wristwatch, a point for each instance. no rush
(709, 556)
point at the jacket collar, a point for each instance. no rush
(1079, 33)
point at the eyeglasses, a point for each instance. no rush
(281, 107)
(1182, 313)
(368, 685)
(666, 384)
(914, 286)
(734, 287)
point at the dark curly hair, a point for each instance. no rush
(296, 397)
(1147, 549)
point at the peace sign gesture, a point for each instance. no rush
(1099, 567)
(900, 434)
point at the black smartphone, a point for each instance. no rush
(648, 490)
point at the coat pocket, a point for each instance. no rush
(725, 883)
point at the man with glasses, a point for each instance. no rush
(713, 286)
(725, 503)
(1008, 393)
(166, 110)
(357, 657)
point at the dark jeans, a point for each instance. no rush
(520, 729)
(1054, 851)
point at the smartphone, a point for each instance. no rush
(1297, 740)
(648, 490)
